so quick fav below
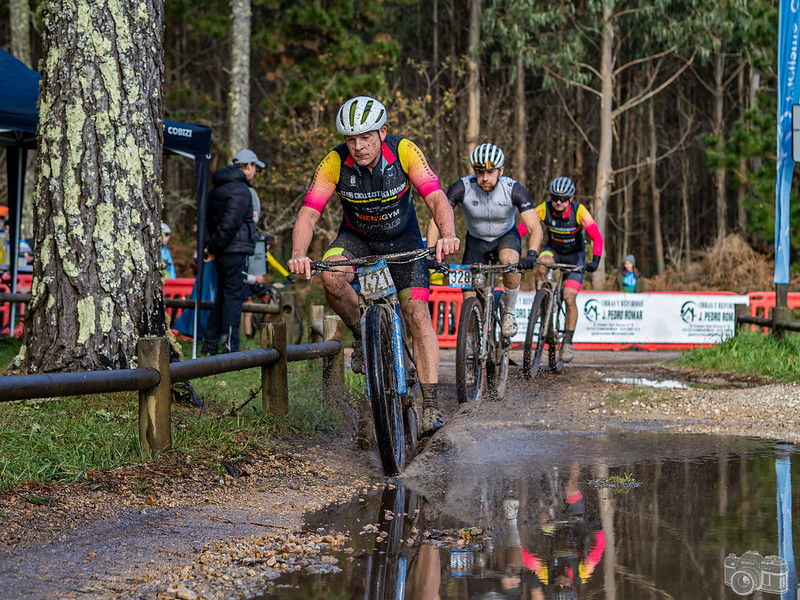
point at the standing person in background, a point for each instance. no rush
(628, 277)
(490, 201)
(231, 242)
(167, 265)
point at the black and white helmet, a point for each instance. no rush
(360, 115)
(487, 156)
(562, 186)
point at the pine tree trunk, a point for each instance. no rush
(602, 187)
(240, 76)
(473, 74)
(97, 286)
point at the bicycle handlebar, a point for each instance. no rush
(442, 267)
(317, 266)
(562, 266)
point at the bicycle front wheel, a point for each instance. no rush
(469, 345)
(554, 344)
(497, 366)
(536, 335)
(387, 409)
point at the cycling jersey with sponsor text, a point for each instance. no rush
(489, 215)
(565, 232)
(376, 204)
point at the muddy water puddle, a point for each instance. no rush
(616, 517)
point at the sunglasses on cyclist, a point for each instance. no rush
(554, 198)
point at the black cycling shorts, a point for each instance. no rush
(411, 279)
(481, 252)
(576, 258)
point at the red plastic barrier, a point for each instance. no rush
(180, 288)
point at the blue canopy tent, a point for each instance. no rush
(19, 117)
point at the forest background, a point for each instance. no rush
(661, 111)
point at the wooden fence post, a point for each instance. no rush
(333, 385)
(779, 313)
(740, 310)
(316, 315)
(274, 378)
(286, 302)
(155, 422)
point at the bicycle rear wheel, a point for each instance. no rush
(536, 335)
(497, 366)
(469, 371)
(387, 409)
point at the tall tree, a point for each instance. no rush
(473, 75)
(97, 208)
(239, 116)
(19, 13)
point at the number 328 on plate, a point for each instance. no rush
(460, 276)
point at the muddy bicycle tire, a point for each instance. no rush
(535, 340)
(497, 365)
(554, 362)
(469, 371)
(387, 408)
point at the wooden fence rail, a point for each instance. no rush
(778, 321)
(155, 375)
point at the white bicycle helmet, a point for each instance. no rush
(487, 156)
(562, 186)
(360, 115)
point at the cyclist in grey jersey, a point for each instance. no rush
(490, 201)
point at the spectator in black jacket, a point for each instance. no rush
(231, 243)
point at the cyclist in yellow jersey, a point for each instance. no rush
(372, 173)
(565, 222)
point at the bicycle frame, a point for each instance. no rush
(547, 311)
(490, 357)
(388, 370)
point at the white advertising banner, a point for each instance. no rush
(649, 318)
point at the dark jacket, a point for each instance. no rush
(230, 213)
(639, 282)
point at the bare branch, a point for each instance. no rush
(645, 59)
(570, 82)
(646, 162)
(575, 122)
(643, 97)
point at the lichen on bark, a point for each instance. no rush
(97, 205)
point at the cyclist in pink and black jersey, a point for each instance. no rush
(372, 173)
(565, 222)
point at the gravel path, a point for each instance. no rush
(195, 537)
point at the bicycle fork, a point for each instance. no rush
(397, 348)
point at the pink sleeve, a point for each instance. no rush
(588, 223)
(419, 172)
(324, 183)
(522, 228)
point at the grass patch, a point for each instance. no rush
(66, 439)
(750, 353)
(632, 395)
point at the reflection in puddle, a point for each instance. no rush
(693, 528)
(660, 383)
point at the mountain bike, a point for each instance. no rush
(481, 348)
(546, 321)
(391, 376)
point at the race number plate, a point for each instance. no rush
(376, 281)
(460, 277)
